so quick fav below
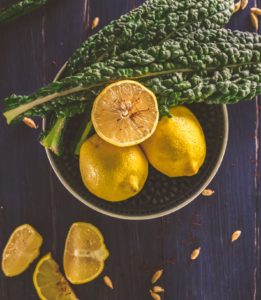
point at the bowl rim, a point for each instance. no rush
(154, 215)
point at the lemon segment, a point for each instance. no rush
(112, 173)
(49, 283)
(125, 113)
(178, 146)
(84, 254)
(21, 250)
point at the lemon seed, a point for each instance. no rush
(208, 192)
(156, 276)
(154, 295)
(108, 282)
(158, 289)
(237, 7)
(254, 20)
(95, 22)
(256, 11)
(195, 254)
(236, 235)
(244, 4)
(30, 123)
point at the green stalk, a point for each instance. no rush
(51, 139)
(55, 133)
(84, 136)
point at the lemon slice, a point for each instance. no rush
(21, 250)
(125, 113)
(84, 253)
(49, 283)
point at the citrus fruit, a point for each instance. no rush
(84, 254)
(112, 173)
(125, 113)
(21, 250)
(178, 146)
(49, 283)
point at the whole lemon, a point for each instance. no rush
(178, 146)
(112, 173)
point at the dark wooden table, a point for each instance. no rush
(31, 52)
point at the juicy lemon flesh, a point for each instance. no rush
(21, 250)
(125, 113)
(178, 146)
(112, 173)
(85, 253)
(50, 284)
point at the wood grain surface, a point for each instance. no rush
(32, 50)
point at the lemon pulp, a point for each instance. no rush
(84, 254)
(21, 250)
(125, 113)
(49, 283)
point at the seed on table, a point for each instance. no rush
(208, 192)
(195, 254)
(158, 289)
(254, 20)
(108, 282)
(256, 11)
(156, 276)
(30, 123)
(236, 235)
(237, 7)
(244, 4)
(154, 295)
(95, 22)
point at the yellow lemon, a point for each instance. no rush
(125, 113)
(49, 283)
(112, 173)
(84, 254)
(178, 146)
(21, 250)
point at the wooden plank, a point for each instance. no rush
(257, 271)
(23, 184)
(130, 245)
(223, 271)
(257, 181)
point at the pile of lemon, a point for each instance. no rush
(129, 135)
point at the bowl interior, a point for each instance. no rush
(161, 195)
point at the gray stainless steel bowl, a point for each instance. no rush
(161, 195)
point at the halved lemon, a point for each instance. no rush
(49, 283)
(125, 113)
(21, 250)
(84, 254)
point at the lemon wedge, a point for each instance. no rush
(49, 283)
(21, 250)
(84, 254)
(125, 113)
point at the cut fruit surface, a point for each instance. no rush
(125, 113)
(21, 250)
(49, 283)
(84, 254)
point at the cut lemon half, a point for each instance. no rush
(125, 113)
(84, 254)
(49, 283)
(21, 250)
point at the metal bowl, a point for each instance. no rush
(161, 195)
